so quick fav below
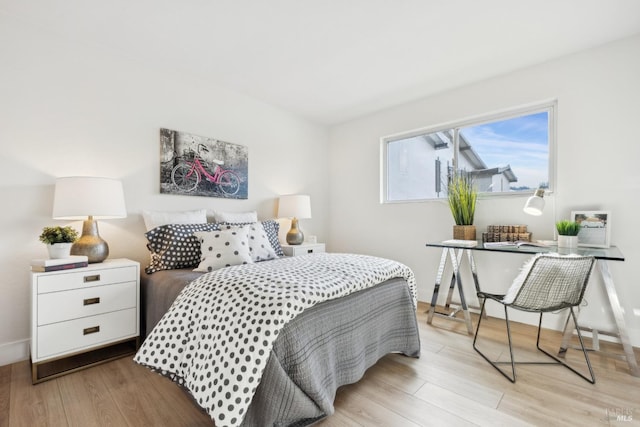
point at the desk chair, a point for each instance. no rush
(548, 282)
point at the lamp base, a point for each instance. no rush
(295, 236)
(90, 243)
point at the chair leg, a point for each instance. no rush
(494, 364)
(591, 380)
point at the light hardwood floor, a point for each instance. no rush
(449, 385)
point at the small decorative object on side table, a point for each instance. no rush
(303, 249)
(84, 316)
(58, 240)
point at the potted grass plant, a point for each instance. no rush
(462, 195)
(567, 233)
(58, 240)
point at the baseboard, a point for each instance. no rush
(14, 352)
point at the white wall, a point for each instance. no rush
(69, 108)
(598, 93)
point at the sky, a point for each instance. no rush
(521, 142)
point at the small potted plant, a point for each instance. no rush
(462, 195)
(567, 233)
(58, 240)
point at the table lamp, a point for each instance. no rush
(535, 203)
(294, 206)
(89, 199)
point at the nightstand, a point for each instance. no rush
(303, 249)
(84, 316)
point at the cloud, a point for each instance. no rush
(521, 142)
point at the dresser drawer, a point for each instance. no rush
(67, 305)
(304, 249)
(85, 277)
(82, 334)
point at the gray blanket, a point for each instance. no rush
(326, 346)
(331, 345)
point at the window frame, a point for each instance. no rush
(549, 106)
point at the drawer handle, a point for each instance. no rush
(93, 278)
(91, 330)
(90, 301)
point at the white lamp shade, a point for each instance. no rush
(77, 197)
(294, 206)
(535, 204)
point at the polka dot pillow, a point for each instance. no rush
(270, 228)
(259, 245)
(174, 246)
(223, 248)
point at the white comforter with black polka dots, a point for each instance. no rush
(216, 338)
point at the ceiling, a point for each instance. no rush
(334, 60)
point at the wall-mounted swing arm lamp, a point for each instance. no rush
(535, 203)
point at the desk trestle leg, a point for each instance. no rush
(449, 254)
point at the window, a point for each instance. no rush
(506, 153)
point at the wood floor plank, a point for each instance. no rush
(124, 380)
(34, 405)
(337, 419)
(403, 377)
(456, 363)
(178, 401)
(467, 409)
(87, 400)
(121, 384)
(5, 394)
(461, 384)
(368, 412)
(411, 407)
(450, 384)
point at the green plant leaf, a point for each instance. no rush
(462, 196)
(51, 235)
(567, 228)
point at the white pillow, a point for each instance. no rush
(236, 217)
(153, 219)
(223, 248)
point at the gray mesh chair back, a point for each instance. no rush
(554, 283)
(551, 283)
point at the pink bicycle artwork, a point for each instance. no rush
(192, 169)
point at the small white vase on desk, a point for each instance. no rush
(59, 250)
(567, 241)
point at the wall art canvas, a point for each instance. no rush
(196, 165)
(595, 228)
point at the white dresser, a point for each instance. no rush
(84, 316)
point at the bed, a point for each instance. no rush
(269, 342)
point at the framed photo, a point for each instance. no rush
(595, 228)
(194, 165)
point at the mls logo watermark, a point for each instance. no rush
(619, 414)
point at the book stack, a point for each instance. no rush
(73, 261)
(506, 233)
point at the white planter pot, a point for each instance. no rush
(567, 241)
(59, 250)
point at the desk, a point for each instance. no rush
(454, 253)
